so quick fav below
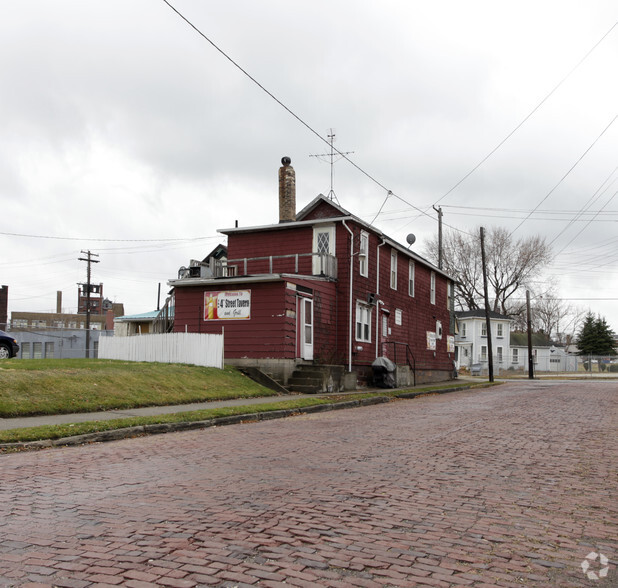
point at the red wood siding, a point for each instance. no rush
(327, 338)
(270, 332)
(322, 210)
(275, 243)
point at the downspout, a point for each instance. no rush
(378, 298)
(350, 294)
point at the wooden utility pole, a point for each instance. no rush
(529, 327)
(88, 285)
(439, 211)
(490, 356)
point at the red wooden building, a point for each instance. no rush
(321, 287)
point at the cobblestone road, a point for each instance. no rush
(508, 486)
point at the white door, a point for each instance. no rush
(306, 328)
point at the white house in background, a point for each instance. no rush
(547, 356)
(471, 339)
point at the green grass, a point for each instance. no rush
(68, 430)
(60, 386)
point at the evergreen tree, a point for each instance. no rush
(596, 337)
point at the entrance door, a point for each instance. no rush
(306, 328)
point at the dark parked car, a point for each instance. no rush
(8, 346)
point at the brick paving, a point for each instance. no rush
(508, 486)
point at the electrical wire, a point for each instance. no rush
(566, 174)
(527, 116)
(290, 111)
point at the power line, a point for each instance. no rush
(527, 116)
(342, 154)
(101, 240)
(566, 174)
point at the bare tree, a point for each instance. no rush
(511, 266)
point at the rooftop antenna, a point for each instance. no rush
(331, 139)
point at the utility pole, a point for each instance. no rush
(89, 260)
(490, 356)
(529, 327)
(439, 211)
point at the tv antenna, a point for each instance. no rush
(333, 157)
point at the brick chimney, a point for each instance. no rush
(287, 191)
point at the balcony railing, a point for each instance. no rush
(308, 264)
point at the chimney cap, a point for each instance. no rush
(286, 160)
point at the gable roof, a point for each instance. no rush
(480, 313)
(339, 214)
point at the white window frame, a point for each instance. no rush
(499, 354)
(483, 329)
(393, 269)
(317, 231)
(515, 356)
(500, 330)
(363, 322)
(483, 353)
(432, 288)
(411, 276)
(463, 330)
(363, 254)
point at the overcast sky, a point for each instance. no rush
(126, 133)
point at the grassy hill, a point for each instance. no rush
(59, 386)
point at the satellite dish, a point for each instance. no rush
(410, 239)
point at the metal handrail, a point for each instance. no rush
(408, 355)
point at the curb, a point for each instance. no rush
(161, 428)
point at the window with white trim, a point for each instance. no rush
(363, 322)
(499, 330)
(483, 329)
(411, 270)
(515, 356)
(363, 254)
(499, 354)
(394, 269)
(483, 352)
(432, 291)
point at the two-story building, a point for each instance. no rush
(471, 339)
(324, 287)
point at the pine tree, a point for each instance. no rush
(596, 337)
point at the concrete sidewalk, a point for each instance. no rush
(7, 424)
(107, 415)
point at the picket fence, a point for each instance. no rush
(192, 348)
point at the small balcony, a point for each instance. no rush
(306, 264)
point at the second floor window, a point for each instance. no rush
(394, 269)
(411, 279)
(363, 255)
(483, 329)
(499, 330)
(432, 291)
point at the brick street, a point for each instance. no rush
(508, 486)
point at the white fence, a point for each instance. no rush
(192, 348)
